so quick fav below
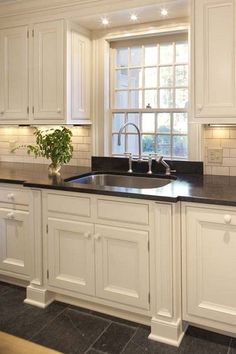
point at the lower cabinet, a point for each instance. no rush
(14, 243)
(209, 266)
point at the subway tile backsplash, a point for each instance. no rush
(223, 138)
(24, 135)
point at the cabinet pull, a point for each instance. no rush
(58, 110)
(10, 196)
(227, 219)
(87, 235)
(10, 215)
(199, 107)
(97, 237)
(2, 112)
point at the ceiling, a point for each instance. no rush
(150, 13)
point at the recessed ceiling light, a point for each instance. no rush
(105, 21)
(134, 17)
(164, 12)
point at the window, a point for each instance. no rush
(149, 81)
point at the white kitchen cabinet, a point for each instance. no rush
(71, 255)
(122, 265)
(48, 71)
(45, 74)
(213, 61)
(209, 264)
(14, 71)
(15, 243)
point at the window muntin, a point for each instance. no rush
(150, 89)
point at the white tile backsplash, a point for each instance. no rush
(24, 135)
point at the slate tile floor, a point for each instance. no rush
(73, 330)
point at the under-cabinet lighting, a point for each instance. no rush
(221, 125)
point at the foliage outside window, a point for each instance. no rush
(150, 89)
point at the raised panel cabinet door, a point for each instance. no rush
(122, 265)
(214, 81)
(48, 72)
(14, 242)
(80, 76)
(14, 69)
(209, 270)
(71, 255)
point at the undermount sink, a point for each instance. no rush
(122, 181)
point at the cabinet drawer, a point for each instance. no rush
(132, 213)
(15, 196)
(69, 205)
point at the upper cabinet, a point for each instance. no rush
(45, 74)
(14, 70)
(213, 61)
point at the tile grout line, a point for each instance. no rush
(46, 324)
(135, 332)
(91, 346)
(229, 348)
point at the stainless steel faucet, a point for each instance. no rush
(161, 160)
(139, 138)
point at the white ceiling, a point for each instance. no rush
(151, 13)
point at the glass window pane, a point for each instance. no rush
(122, 57)
(122, 79)
(148, 122)
(166, 76)
(118, 120)
(164, 122)
(135, 99)
(181, 75)
(164, 145)
(135, 78)
(121, 99)
(180, 123)
(150, 75)
(181, 98)
(166, 53)
(166, 98)
(150, 98)
(148, 144)
(132, 118)
(132, 144)
(116, 149)
(136, 56)
(181, 50)
(180, 146)
(150, 55)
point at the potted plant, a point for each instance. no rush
(54, 144)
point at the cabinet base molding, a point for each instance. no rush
(170, 333)
(126, 315)
(38, 297)
(14, 281)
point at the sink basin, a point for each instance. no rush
(122, 181)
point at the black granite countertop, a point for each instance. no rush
(187, 187)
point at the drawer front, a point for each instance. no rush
(131, 213)
(69, 205)
(15, 196)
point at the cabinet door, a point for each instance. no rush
(71, 255)
(122, 267)
(48, 93)
(214, 81)
(15, 243)
(209, 268)
(80, 77)
(14, 74)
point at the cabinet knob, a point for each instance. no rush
(58, 110)
(10, 215)
(227, 219)
(87, 235)
(10, 196)
(199, 107)
(97, 237)
(2, 112)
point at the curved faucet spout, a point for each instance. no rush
(139, 137)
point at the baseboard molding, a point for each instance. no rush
(38, 297)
